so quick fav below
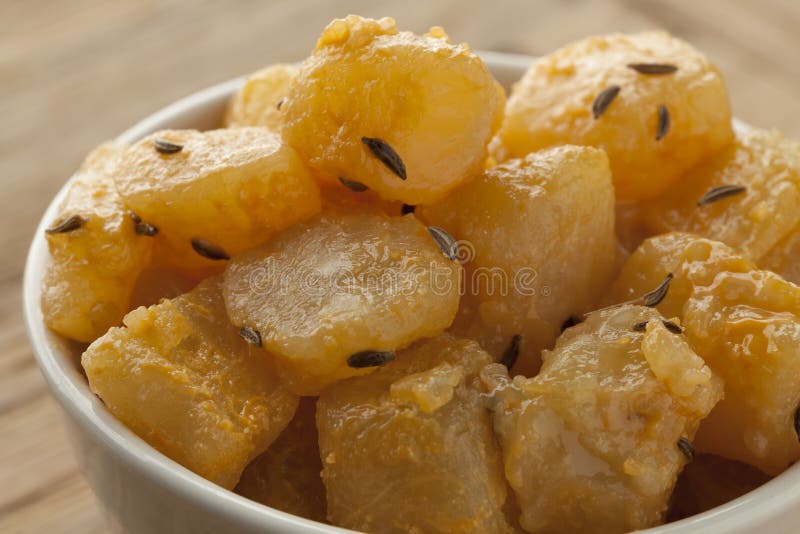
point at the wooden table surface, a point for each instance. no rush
(73, 74)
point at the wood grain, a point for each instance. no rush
(73, 74)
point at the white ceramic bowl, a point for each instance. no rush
(143, 491)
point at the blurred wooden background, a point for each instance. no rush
(74, 73)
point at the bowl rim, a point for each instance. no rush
(770, 501)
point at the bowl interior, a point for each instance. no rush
(59, 360)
